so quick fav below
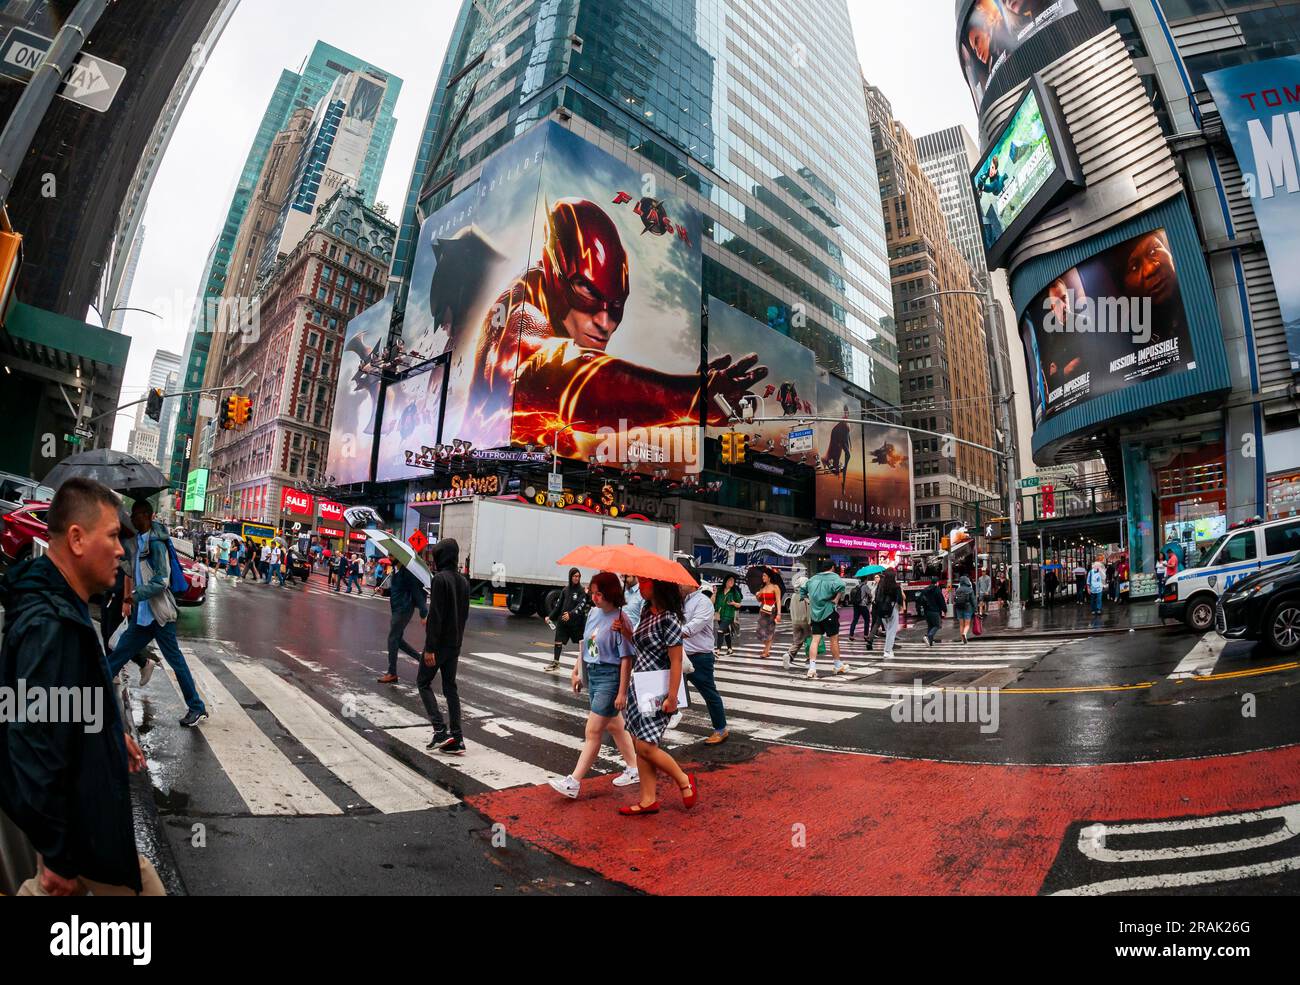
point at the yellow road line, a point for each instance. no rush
(1229, 675)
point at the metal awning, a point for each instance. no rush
(62, 344)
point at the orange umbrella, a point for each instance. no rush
(628, 559)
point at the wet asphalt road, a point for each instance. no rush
(329, 649)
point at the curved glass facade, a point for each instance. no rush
(757, 108)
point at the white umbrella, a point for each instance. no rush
(402, 553)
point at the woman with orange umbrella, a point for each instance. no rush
(658, 641)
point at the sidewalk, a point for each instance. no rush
(1068, 618)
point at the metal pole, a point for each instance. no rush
(1015, 613)
(20, 130)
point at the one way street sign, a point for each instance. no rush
(91, 82)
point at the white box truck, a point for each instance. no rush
(514, 546)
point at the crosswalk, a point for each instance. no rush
(296, 735)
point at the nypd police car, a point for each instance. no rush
(1248, 547)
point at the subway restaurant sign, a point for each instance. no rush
(462, 487)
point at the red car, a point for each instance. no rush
(19, 527)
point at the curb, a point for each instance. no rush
(156, 847)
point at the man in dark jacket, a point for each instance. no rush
(405, 595)
(569, 616)
(64, 783)
(444, 631)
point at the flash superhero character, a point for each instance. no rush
(561, 314)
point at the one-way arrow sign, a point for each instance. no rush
(91, 82)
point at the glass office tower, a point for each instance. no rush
(757, 107)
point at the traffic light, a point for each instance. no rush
(739, 447)
(153, 404)
(728, 447)
(226, 414)
(243, 410)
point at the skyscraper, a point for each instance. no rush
(942, 351)
(294, 90)
(752, 114)
(947, 158)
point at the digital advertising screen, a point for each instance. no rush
(755, 372)
(196, 491)
(356, 401)
(841, 488)
(579, 319)
(887, 452)
(412, 408)
(1265, 136)
(1022, 172)
(994, 29)
(1116, 319)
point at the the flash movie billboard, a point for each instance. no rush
(566, 286)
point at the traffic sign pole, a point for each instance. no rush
(23, 122)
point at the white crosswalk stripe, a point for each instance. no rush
(1200, 659)
(525, 724)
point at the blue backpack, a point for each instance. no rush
(178, 583)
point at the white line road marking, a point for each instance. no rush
(388, 785)
(794, 712)
(505, 726)
(311, 665)
(1200, 659)
(1181, 879)
(488, 766)
(265, 778)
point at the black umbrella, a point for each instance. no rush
(754, 578)
(116, 469)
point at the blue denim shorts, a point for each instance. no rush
(602, 685)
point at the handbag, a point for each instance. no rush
(977, 625)
(162, 605)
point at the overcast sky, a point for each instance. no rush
(906, 49)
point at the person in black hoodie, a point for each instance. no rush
(444, 631)
(569, 616)
(65, 783)
(405, 595)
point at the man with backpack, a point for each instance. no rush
(153, 616)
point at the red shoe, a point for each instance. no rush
(635, 810)
(689, 799)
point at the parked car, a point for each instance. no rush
(19, 527)
(1264, 607)
(1248, 547)
(15, 490)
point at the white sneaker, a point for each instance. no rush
(627, 778)
(568, 786)
(842, 669)
(812, 674)
(147, 670)
(887, 656)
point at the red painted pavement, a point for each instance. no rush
(875, 825)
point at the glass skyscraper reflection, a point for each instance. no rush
(755, 107)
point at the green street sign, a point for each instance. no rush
(73, 439)
(1031, 483)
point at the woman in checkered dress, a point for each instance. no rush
(658, 641)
